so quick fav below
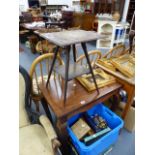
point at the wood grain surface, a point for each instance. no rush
(65, 38)
(78, 98)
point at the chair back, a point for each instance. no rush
(45, 47)
(132, 51)
(131, 48)
(115, 52)
(39, 71)
(94, 55)
(26, 17)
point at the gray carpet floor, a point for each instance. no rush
(125, 144)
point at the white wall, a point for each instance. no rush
(125, 11)
(23, 5)
(60, 2)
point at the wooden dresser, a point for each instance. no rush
(85, 20)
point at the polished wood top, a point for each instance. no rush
(78, 98)
(65, 38)
(117, 74)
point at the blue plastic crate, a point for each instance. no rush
(113, 121)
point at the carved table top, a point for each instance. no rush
(65, 38)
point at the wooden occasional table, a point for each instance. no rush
(78, 100)
(33, 37)
(128, 86)
(27, 26)
(67, 39)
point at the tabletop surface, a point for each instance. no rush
(28, 26)
(118, 74)
(77, 96)
(65, 38)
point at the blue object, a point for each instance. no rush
(119, 33)
(113, 121)
(91, 122)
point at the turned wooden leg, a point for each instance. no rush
(66, 72)
(47, 111)
(115, 102)
(37, 106)
(131, 94)
(63, 136)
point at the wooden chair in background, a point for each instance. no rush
(39, 73)
(44, 46)
(129, 51)
(94, 55)
(33, 40)
(115, 52)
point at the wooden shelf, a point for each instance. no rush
(106, 33)
(105, 40)
(106, 37)
(118, 41)
(50, 8)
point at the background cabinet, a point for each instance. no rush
(60, 2)
(112, 32)
(84, 20)
(107, 29)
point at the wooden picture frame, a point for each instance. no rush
(102, 79)
(125, 64)
(106, 63)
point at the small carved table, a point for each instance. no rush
(27, 26)
(66, 39)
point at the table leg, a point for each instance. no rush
(115, 102)
(63, 136)
(90, 67)
(66, 72)
(47, 111)
(52, 66)
(131, 94)
(74, 52)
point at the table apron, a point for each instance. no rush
(88, 105)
